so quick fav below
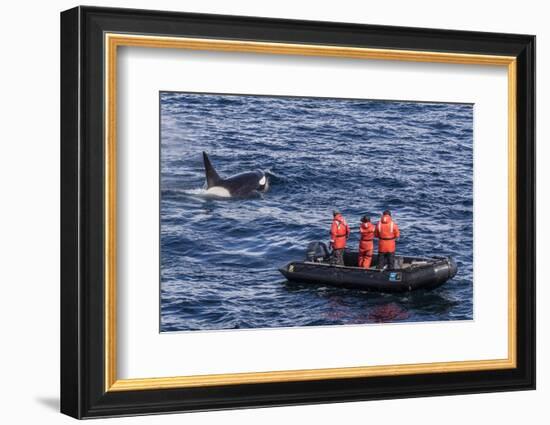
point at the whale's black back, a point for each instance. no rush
(242, 184)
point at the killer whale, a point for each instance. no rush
(237, 186)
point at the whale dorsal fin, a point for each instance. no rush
(212, 177)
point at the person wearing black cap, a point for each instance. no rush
(339, 233)
(387, 232)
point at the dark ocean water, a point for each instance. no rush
(219, 257)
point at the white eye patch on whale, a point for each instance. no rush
(238, 185)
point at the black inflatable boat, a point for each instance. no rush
(407, 274)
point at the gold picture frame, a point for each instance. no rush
(114, 41)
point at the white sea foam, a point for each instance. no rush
(198, 191)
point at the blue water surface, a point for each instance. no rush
(220, 257)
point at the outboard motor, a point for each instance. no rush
(317, 252)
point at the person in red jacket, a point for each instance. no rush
(387, 232)
(339, 233)
(366, 243)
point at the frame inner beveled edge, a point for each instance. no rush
(113, 40)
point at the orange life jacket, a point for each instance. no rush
(387, 232)
(339, 232)
(366, 243)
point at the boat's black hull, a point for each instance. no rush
(428, 274)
